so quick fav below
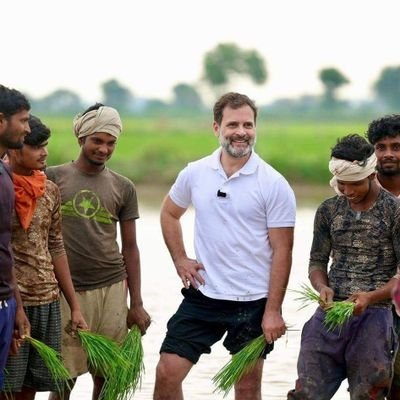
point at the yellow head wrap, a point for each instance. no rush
(105, 119)
(350, 171)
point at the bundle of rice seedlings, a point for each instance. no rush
(53, 362)
(240, 363)
(104, 355)
(128, 378)
(336, 313)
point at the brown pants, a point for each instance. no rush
(105, 311)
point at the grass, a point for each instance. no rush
(239, 365)
(337, 313)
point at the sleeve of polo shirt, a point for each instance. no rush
(180, 192)
(280, 205)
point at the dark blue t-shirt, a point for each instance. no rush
(6, 209)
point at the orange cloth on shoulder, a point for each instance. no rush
(27, 190)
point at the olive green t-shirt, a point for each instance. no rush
(91, 206)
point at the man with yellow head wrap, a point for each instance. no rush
(356, 233)
(94, 200)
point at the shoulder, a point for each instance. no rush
(386, 196)
(5, 167)
(197, 169)
(268, 172)
(271, 182)
(389, 201)
(55, 171)
(121, 179)
(328, 206)
(200, 163)
(51, 187)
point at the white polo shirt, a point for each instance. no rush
(231, 231)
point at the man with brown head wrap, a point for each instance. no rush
(94, 200)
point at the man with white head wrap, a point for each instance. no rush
(104, 119)
(358, 234)
(94, 200)
(384, 134)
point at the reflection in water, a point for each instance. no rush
(161, 295)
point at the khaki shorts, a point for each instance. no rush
(105, 311)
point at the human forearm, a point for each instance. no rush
(173, 237)
(22, 323)
(280, 271)
(281, 240)
(137, 315)
(383, 293)
(318, 279)
(133, 270)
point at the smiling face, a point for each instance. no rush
(237, 131)
(97, 149)
(387, 152)
(356, 192)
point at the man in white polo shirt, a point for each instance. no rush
(245, 215)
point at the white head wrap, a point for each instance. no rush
(350, 171)
(105, 119)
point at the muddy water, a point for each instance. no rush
(161, 295)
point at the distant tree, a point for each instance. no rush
(61, 101)
(116, 95)
(332, 79)
(186, 97)
(387, 87)
(155, 106)
(227, 60)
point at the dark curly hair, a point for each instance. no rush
(387, 126)
(12, 101)
(352, 147)
(39, 132)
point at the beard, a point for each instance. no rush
(226, 144)
(94, 162)
(11, 145)
(8, 140)
(388, 172)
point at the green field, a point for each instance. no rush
(153, 151)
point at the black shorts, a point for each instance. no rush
(201, 321)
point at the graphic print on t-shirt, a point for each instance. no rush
(86, 204)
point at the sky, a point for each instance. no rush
(151, 45)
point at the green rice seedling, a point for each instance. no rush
(336, 313)
(239, 365)
(128, 378)
(104, 355)
(53, 362)
(307, 295)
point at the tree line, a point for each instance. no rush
(222, 65)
